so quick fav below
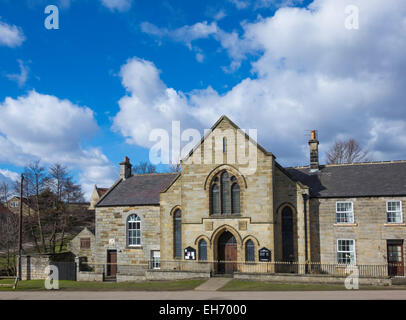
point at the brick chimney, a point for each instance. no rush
(314, 151)
(125, 168)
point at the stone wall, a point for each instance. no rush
(74, 245)
(289, 193)
(262, 191)
(111, 223)
(163, 275)
(89, 276)
(33, 267)
(296, 278)
(370, 229)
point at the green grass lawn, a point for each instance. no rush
(33, 285)
(247, 285)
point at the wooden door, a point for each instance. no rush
(395, 258)
(111, 263)
(227, 253)
(231, 257)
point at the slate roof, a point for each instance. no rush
(354, 180)
(139, 189)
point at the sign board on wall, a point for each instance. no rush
(190, 253)
(264, 254)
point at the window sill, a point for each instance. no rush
(395, 224)
(345, 224)
(134, 247)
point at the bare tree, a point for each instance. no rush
(144, 167)
(58, 176)
(36, 179)
(72, 193)
(65, 192)
(348, 151)
(4, 192)
(8, 239)
(48, 215)
(174, 167)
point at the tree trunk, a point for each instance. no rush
(34, 237)
(41, 234)
(63, 236)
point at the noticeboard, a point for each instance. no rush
(264, 254)
(190, 253)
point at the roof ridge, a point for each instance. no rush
(351, 164)
(153, 174)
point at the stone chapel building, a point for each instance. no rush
(220, 216)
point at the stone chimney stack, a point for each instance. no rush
(125, 168)
(314, 151)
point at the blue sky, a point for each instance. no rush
(89, 93)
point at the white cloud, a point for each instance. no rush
(312, 73)
(185, 34)
(10, 175)
(10, 178)
(119, 5)
(258, 4)
(240, 4)
(149, 97)
(199, 57)
(38, 126)
(219, 15)
(20, 78)
(275, 3)
(10, 36)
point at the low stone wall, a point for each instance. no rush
(89, 276)
(175, 275)
(130, 278)
(297, 278)
(33, 267)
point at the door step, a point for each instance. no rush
(222, 275)
(110, 279)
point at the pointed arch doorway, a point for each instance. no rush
(226, 253)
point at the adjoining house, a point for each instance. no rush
(13, 204)
(96, 195)
(221, 216)
(82, 246)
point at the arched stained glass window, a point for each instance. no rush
(225, 193)
(235, 198)
(215, 199)
(202, 250)
(133, 230)
(249, 251)
(177, 234)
